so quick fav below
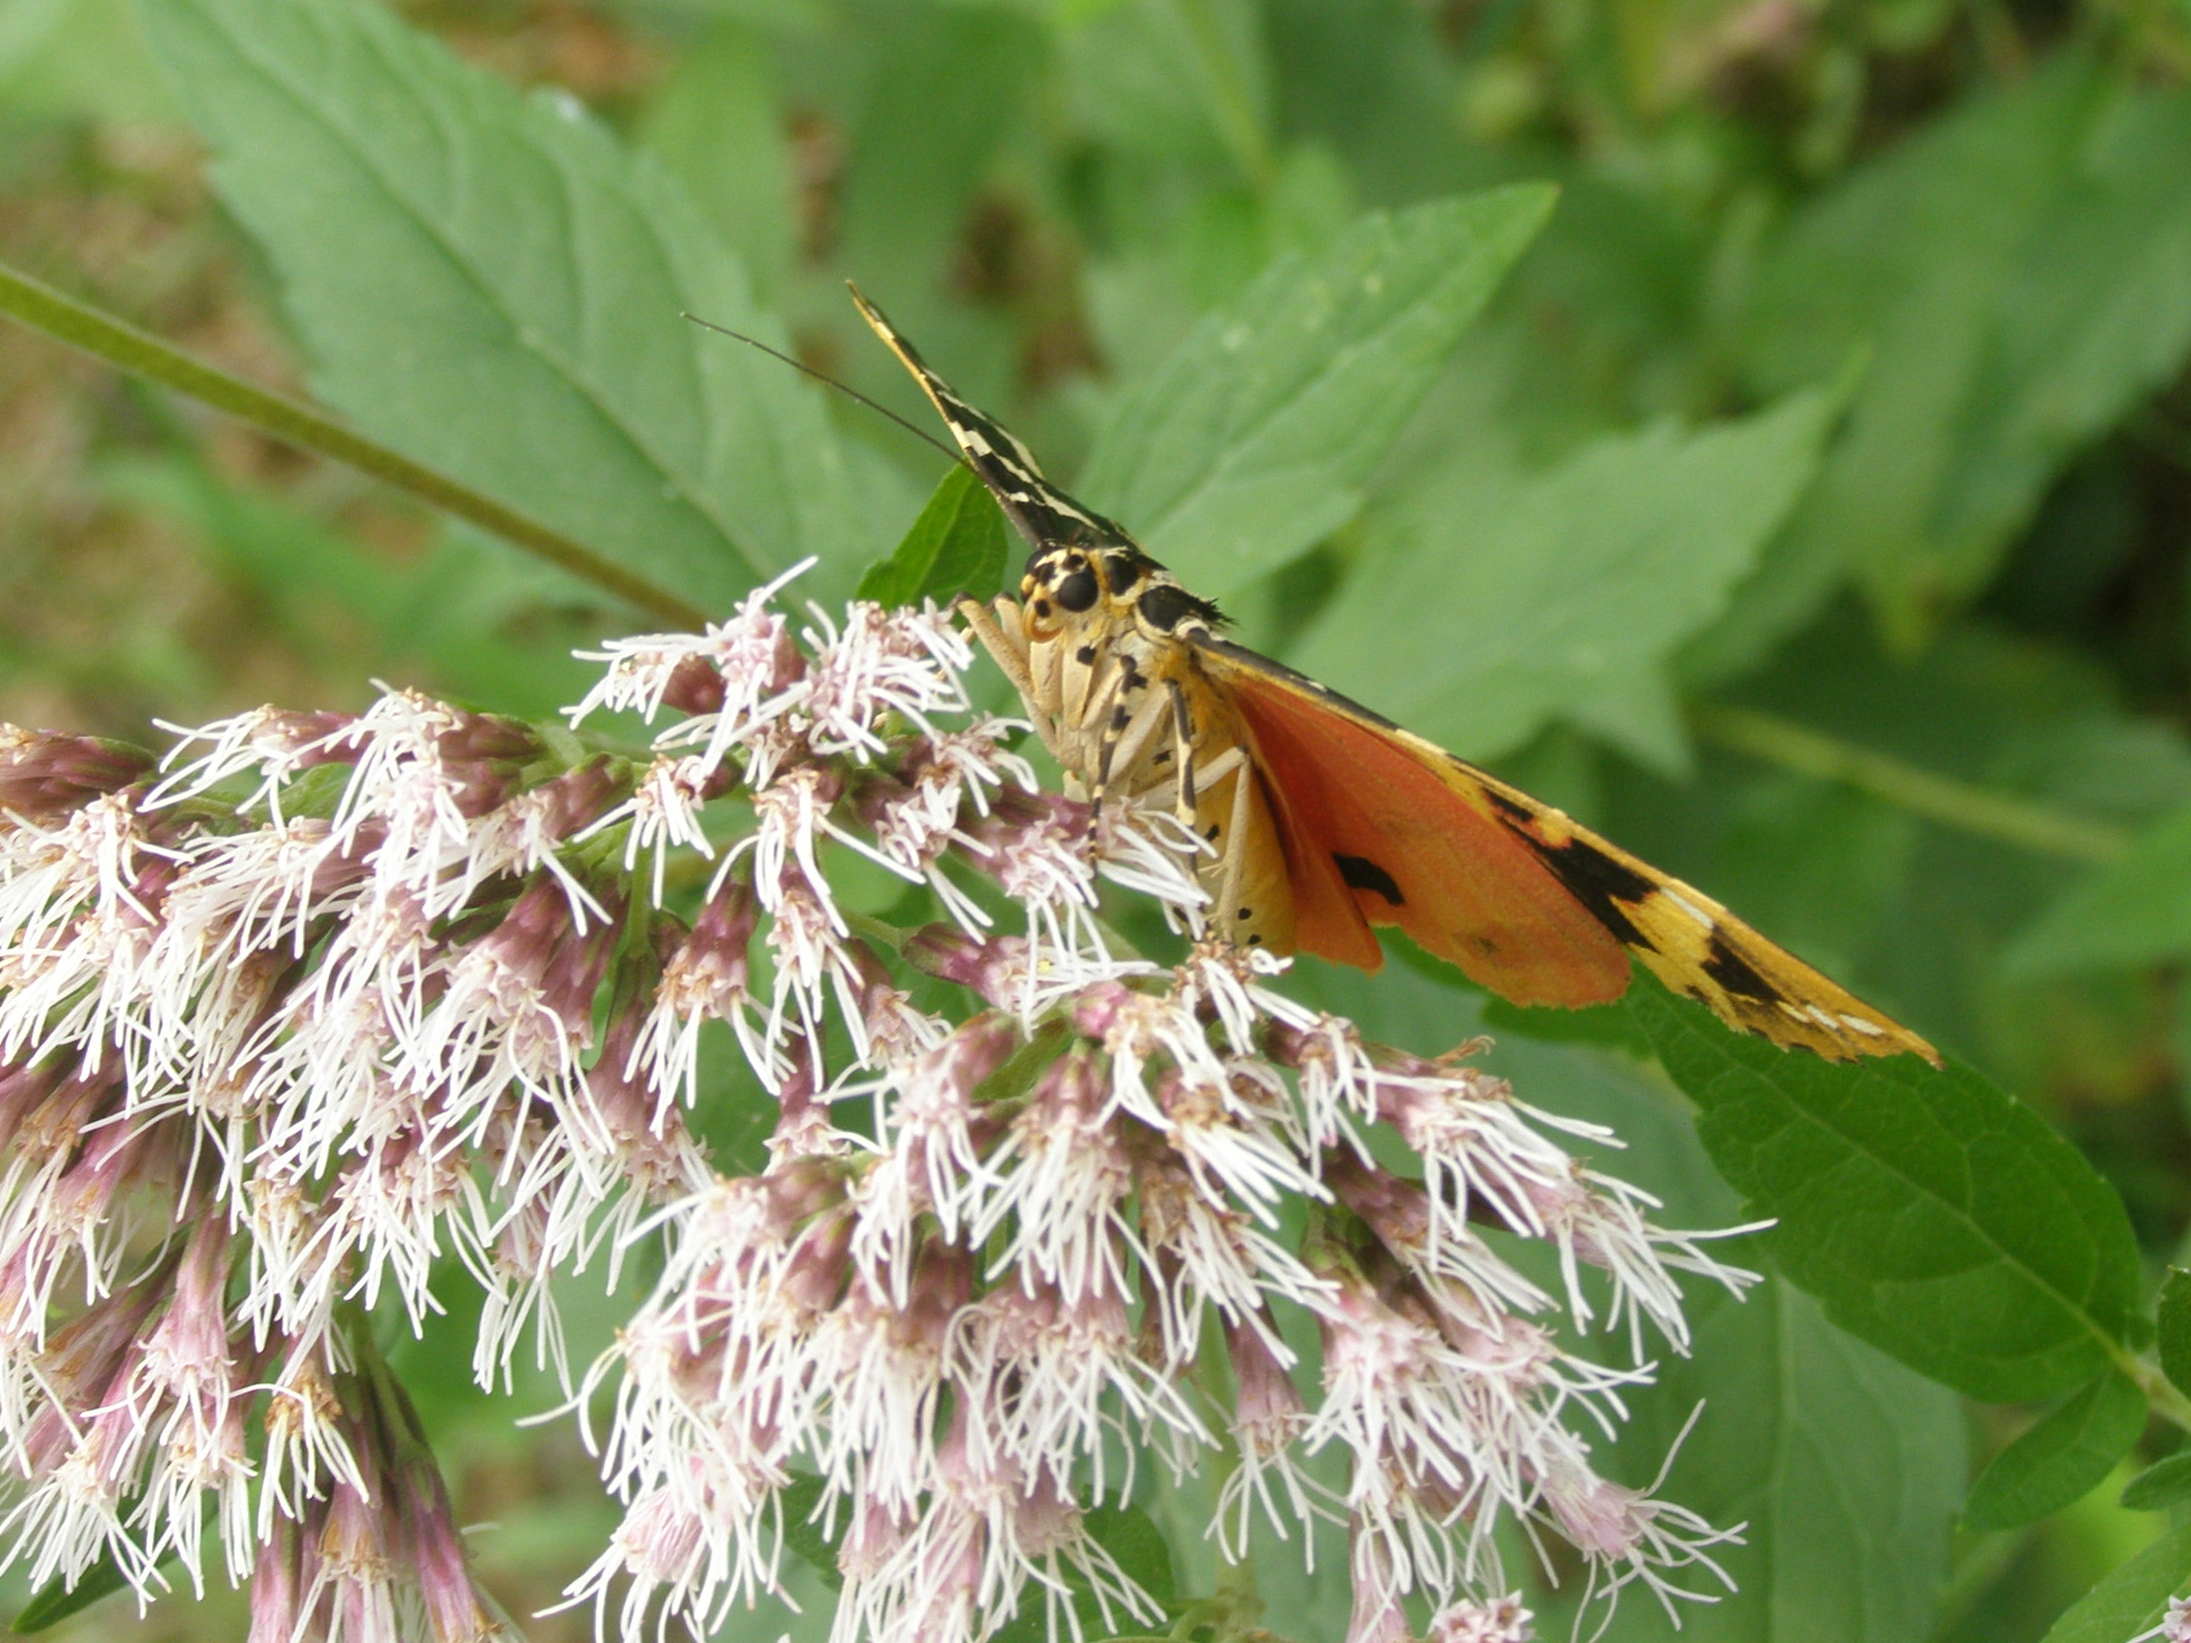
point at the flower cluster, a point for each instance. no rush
(326, 999)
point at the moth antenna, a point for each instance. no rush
(825, 378)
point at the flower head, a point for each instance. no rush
(1006, 1219)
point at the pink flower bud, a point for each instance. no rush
(44, 774)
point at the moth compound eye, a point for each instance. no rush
(1076, 590)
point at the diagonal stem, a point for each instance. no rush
(62, 317)
(1937, 798)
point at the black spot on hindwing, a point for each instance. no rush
(1360, 873)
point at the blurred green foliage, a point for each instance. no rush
(1808, 504)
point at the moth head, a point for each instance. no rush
(1104, 588)
(1082, 588)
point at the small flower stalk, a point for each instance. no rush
(318, 1000)
(2174, 1626)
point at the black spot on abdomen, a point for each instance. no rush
(1361, 873)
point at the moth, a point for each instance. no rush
(1326, 820)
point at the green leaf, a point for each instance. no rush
(1135, 1544)
(1133, 1539)
(1254, 438)
(1833, 1456)
(1181, 89)
(1607, 1026)
(2022, 272)
(1640, 717)
(2062, 1458)
(1930, 1213)
(2161, 1486)
(54, 1602)
(1161, 277)
(446, 613)
(78, 60)
(2134, 911)
(952, 82)
(1379, 82)
(2133, 1599)
(957, 545)
(1556, 590)
(2174, 1313)
(802, 1536)
(716, 123)
(489, 284)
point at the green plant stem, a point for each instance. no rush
(1233, 107)
(123, 346)
(2161, 1394)
(1980, 1561)
(1937, 798)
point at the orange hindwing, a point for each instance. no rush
(1519, 895)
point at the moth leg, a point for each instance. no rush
(1007, 647)
(1006, 644)
(1182, 751)
(1209, 775)
(1134, 741)
(1194, 780)
(1125, 733)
